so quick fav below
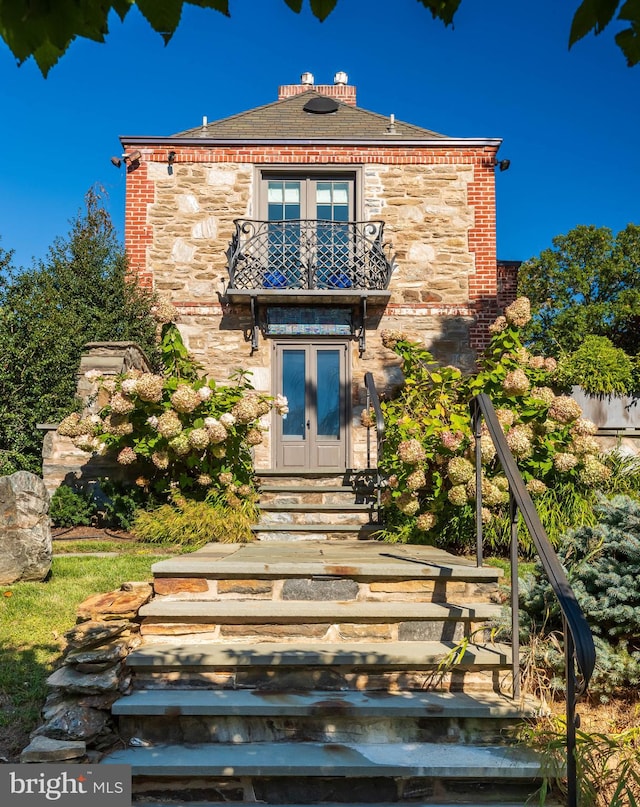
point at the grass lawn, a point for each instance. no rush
(34, 617)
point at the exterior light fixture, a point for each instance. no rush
(131, 158)
(127, 159)
(503, 165)
(171, 158)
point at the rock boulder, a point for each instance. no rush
(25, 531)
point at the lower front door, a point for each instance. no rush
(314, 379)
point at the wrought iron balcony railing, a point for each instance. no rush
(309, 254)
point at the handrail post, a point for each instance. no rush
(570, 673)
(368, 405)
(477, 433)
(515, 598)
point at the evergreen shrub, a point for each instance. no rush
(602, 563)
(71, 507)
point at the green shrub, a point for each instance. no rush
(121, 502)
(602, 563)
(598, 367)
(71, 507)
(180, 431)
(192, 523)
(429, 454)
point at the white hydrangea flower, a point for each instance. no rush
(129, 385)
(93, 376)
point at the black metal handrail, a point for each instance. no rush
(580, 654)
(306, 254)
(373, 400)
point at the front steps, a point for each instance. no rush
(317, 506)
(312, 673)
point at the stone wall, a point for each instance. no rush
(61, 460)
(77, 724)
(438, 205)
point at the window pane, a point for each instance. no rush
(323, 193)
(328, 393)
(276, 212)
(340, 193)
(293, 388)
(292, 193)
(291, 212)
(274, 192)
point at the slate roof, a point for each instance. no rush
(287, 120)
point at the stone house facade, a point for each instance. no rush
(290, 235)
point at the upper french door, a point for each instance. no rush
(308, 229)
(313, 377)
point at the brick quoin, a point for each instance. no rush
(487, 296)
(140, 192)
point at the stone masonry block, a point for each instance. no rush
(320, 590)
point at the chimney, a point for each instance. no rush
(340, 90)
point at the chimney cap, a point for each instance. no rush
(341, 78)
(306, 78)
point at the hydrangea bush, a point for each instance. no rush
(181, 432)
(429, 455)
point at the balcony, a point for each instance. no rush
(309, 259)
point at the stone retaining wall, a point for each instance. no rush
(77, 713)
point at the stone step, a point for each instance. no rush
(459, 802)
(329, 516)
(336, 495)
(357, 560)
(197, 716)
(313, 532)
(293, 507)
(338, 760)
(360, 655)
(189, 702)
(243, 612)
(293, 487)
(324, 620)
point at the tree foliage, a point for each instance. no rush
(78, 294)
(45, 30)
(587, 283)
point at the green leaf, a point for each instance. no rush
(321, 8)
(629, 43)
(442, 9)
(162, 15)
(592, 15)
(294, 5)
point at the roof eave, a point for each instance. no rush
(441, 142)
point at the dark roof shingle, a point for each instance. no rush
(287, 120)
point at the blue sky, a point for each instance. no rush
(570, 121)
